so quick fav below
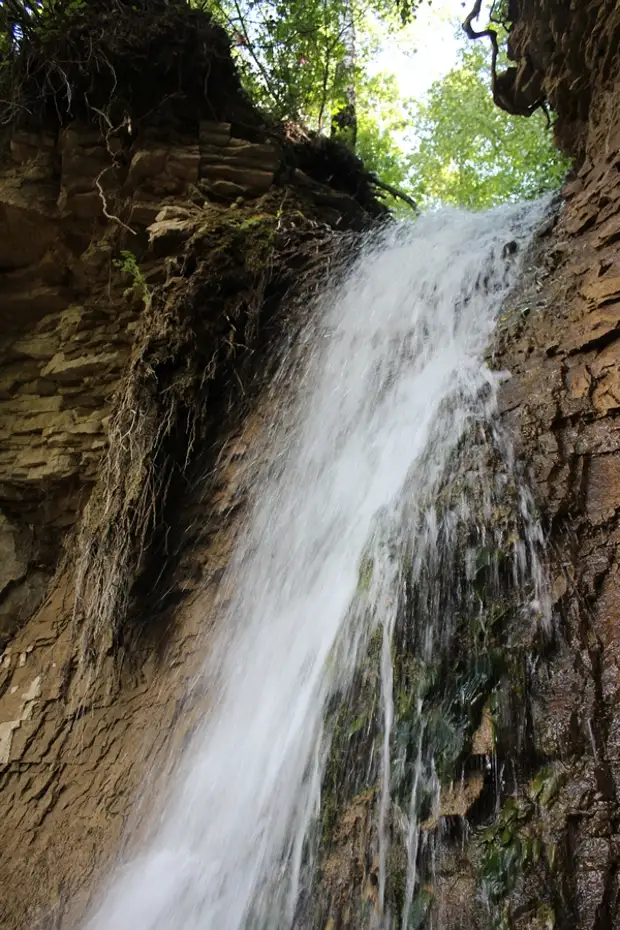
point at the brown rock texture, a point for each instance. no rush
(561, 344)
(106, 255)
(146, 279)
(565, 51)
(532, 840)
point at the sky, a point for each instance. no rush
(426, 50)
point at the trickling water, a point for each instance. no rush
(394, 378)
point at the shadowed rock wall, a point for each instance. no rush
(140, 268)
(76, 315)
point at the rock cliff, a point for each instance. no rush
(149, 271)
(526, 834)
(562, 404)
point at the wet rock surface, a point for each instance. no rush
(536, 846)
(562, 347)
(75, 752)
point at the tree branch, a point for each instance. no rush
(250, 47)
(491, 34)
(327, 63)
(395, 192)
(504, 86)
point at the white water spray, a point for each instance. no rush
(394, 378)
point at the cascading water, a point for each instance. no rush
(394, 378)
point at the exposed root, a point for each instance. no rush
(507, 93)
(127, 58)
(192, 364)
(104, 204)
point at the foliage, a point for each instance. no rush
(382, 123)
(454, 147)
(469, 152)
(298, 60)
(509, 847)
(114, 61)
(128, 264)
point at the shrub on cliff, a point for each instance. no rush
(116, 60)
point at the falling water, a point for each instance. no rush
(394, 378)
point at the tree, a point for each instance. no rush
(304, 60)
(470, 153)
(308, 62)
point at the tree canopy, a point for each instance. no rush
(468, 152)
(310, 61)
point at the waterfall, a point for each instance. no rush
(395, 377)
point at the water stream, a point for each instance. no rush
(395, 377)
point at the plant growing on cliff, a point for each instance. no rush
(128, 264)
(310, 62)
(113, 62)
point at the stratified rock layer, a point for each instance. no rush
(534, 842)
(562, 345)
(75, 752)
(145, 284)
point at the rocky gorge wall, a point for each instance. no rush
(526, 830)
(130, 266)
(562, 404)
(147, 278)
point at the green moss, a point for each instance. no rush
(365, 574)
(509, 847)
(352, 722)
(474, 665)
(420, 908)
(546, 784)
(545, 917)
(396, 884)
(242, 238)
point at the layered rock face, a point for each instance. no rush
(563, 350)
(68, 325)
(141, 267)
(525, 833)
(147, 275)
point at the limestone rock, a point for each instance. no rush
(603, 488)
(73, 370)
(227, 190)
(85, 205)
(81, 170)
(608, 232)
(594, 329)
(602, 289)
(78, 135)
(144, 212)
(184, 163)
(483, 743)
(32, 146)
(28, 221)
(457, 799)
(241, 154)
(32, 300)
(173, 225)
(146, 164)
(20, 602)
(214, 133)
